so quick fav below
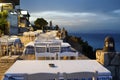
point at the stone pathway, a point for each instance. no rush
(8, 59)
(3, 68)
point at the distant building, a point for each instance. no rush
(21, 21)
(24, 23)
(63, 33)
(51, 23)
(24, 18)
(109, 45)
(50, 26)
(13, 23)
(109, 58)
(9, 5)
(18, 19)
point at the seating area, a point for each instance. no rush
(46, 45)
(41, 51)
(57, 62)
(10, 44)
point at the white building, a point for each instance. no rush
(57, 70)
(13, 23)
(24, 18)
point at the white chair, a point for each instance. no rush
(41, 50)
(4, 45)
(43, 76)
(81, 76)
(68, 54)
(15, 77)
(26, 34)
(54, 48)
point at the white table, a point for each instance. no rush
(29, 48)
(15, 41)
(37, 67)
(11, 40)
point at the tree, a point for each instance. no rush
(3, 22)
(56, 27)
(40, 23)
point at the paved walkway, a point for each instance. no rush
(3, 68)
(8, 59)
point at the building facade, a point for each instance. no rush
(13, 23)
(18, 19)
(24, 23)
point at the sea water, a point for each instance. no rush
(96, 40)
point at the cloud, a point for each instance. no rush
(116, 11)
(79, 20)
(57, 14)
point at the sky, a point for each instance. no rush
(84, 16)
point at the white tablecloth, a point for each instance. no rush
(15, 41)
(29, 48)
(11, 40)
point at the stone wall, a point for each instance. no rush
(110, 60)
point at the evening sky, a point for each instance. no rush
(77, 15)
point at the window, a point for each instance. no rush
(111, 44)
(106, 44)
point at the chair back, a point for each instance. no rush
(54, 47)
(81, 76)
(4, 41)
(40, 47)
(43, 76)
